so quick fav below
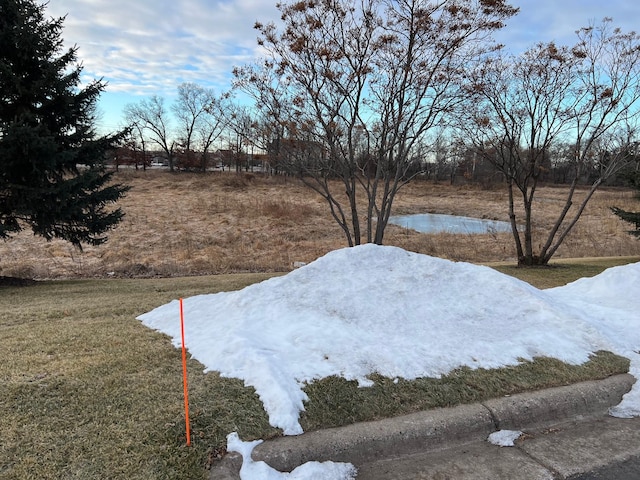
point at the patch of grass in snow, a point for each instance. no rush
(334, 401)
(88, 392)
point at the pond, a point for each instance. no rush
(436, 223)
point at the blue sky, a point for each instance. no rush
(147, 47)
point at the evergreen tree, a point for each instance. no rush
(631, 217)
(52, 173)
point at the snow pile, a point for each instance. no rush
(611, 303)
(380, 309)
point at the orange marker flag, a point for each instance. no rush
(184, 377)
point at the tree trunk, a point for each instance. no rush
(514, 224)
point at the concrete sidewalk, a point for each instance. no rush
(566, 431)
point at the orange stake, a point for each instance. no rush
(184, 377)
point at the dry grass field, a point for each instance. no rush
(193, 224)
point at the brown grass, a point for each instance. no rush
(89, 393)
(193, 224)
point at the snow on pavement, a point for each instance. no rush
(259, 470)
(504, 438)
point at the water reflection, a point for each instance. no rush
(436, 223)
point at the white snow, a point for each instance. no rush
(504, 438)
(381, 309)
(252, 470)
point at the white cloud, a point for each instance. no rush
(158, 39)
(146, 47)
(152, 46)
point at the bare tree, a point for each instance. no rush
(211, 126)
(442, 162)
(138, 144)
(364, 83)
(151, 116)
(188, 109)
(201, 121)
(585, 96)
(273, 117)
(240, 125)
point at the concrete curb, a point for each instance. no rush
(434, 429)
